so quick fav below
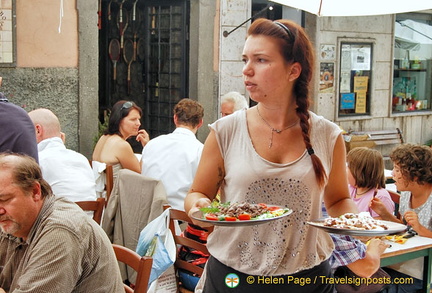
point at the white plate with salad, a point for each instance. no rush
(240, 214)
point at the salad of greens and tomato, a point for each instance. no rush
(241, 211)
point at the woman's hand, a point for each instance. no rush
(411, 218)
(143, 137)
(200, 203)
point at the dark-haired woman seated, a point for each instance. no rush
(112, 148)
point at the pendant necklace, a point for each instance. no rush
(361, 193)
(275, 129)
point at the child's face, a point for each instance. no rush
(351, 179)
(400, 182)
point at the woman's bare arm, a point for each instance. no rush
(336, 195)
(208, 178)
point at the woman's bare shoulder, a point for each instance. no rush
(108, 147)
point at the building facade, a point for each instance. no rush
(64, 55)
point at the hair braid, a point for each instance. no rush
(303, 54)
(303, 114)
(295, 47)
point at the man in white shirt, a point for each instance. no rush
(68, 172)
(173, 158)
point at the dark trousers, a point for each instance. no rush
(221, 278)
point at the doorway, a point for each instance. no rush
(144, 58)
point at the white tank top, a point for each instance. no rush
(283, 246)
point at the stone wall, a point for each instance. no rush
(52, 88)
(57, 66)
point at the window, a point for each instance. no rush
(412, 89)
(355, 79)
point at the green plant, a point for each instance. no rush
(101, 129)
(429, 143)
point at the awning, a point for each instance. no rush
(357, 8)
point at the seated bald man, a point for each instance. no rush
(67, 171)
(47, 243)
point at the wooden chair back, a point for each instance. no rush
(109, 180)
(141, 264)
(181, 240)
(396, 198)
(96, 206)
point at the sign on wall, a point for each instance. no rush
(7, 33)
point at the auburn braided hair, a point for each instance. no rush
(295, 46)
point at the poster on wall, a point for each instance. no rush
(327, 52)
(345, 83)
(360, 106)
(326, 77)
(346, 58)
(347, 101)
(361, 83)
(7, 33)
(361, 58)
(360, 88)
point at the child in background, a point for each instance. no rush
(365, 170)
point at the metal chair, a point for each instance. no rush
(96, 206)
(141, 264)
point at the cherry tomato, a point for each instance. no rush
(263, 205)
(273, 208)
(227, 218)
(244, 217)
(211, 217)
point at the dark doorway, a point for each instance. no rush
(144, 57)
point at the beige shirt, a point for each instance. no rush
(66, 251)
(283, 246)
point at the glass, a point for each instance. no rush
(355, 79)
(412, 90)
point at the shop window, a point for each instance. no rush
(355, 79)
(412, 87)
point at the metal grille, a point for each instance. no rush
(152, 67)
(166, 65)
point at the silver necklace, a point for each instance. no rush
(275, 129)
(361, 193)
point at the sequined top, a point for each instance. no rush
(283, 246)
(66, 251)
(424, 211)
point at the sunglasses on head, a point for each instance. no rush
(126, 105)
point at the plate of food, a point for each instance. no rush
(361, 224)
(240, 214)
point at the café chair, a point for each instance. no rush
(104, 178)
(95, 206)
(140, 264)
(135, 201)
(180, 240)
(396, 198)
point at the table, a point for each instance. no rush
(415, 247)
